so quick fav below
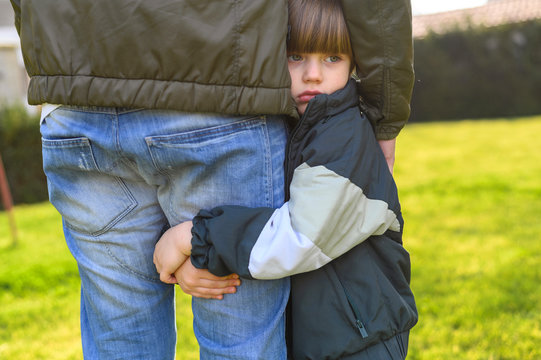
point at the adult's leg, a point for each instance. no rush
(112, 220)
(236, 161)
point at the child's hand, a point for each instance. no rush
(201, 283)
(172, 250)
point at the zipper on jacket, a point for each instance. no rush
(361, 328)
(358, 322)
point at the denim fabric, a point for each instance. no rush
(120, 177)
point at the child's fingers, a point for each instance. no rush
(211, 286)
(216, 284)
(206, 275)
(208, 293)
(168, 278)
(201, 283)
(208, 288)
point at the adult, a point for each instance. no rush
(168, 107)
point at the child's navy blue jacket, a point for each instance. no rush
(339, 236)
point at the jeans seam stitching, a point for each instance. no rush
(269, 179)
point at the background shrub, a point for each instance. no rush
(480, 72)
(20, 146)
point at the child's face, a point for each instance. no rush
(316, 73)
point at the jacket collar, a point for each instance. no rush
(323, 106)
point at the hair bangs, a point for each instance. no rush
(317, 27)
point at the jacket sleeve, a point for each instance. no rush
(381, 37)
(17, 8)
(336, 202)
(222, 238)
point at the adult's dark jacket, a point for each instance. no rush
(339, 235)
(225, 56)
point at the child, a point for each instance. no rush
(339, 236)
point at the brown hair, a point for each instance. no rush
(318, 26)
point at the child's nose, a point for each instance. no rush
(312, 71)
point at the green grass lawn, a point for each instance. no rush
(471, 196)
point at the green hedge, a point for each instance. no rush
(20, 146)
(478, 73)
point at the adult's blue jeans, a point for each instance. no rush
(120, 177)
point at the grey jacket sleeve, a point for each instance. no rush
(381, 37)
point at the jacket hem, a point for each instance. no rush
(160, 94)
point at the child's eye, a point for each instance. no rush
(333, 58)
(294, 57)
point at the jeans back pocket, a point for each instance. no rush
(89, 201)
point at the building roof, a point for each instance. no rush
(494, 13)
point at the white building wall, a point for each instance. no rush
(13, 77)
